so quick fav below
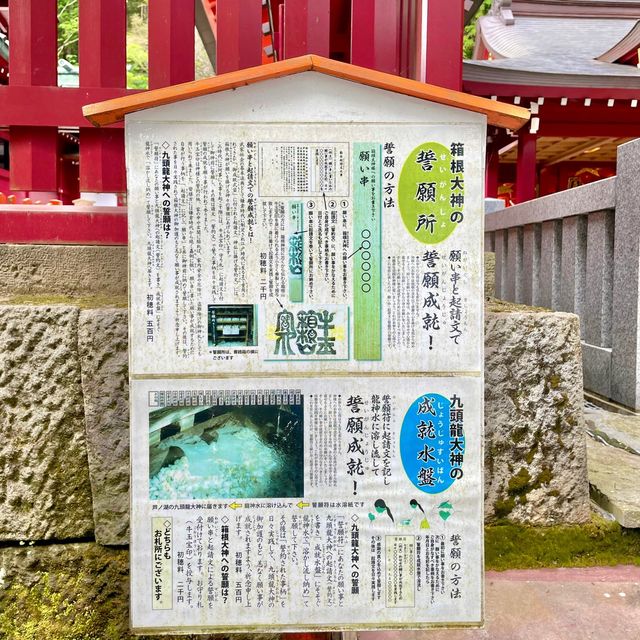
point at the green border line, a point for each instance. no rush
(367, 227)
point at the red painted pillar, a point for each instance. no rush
(445, 23)
(238, 31)
(411, 40)
(306, 27)
(102, 167)
(102, 53)
(33, 157)
(103, 43)
(340, 30)
(33, 61)
(549, 182)
(376, 34)
(492, 170)
(526, 167)
(171, 42)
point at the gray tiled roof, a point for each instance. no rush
(567, 71)
(544, 36)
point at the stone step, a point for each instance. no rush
(613, 480)
(616, 429)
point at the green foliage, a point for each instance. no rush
(137, 46)
(470, 30)
(597, 543)
(137, 58)
(68, 30)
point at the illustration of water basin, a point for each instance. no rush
(237, 463)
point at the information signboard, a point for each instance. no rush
(306, 359)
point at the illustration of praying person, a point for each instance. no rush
(381, 507)
(424, 523)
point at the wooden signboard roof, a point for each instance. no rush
(498, 114)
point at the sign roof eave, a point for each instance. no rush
(112, 111)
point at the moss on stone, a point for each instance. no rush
(83, 302)
(519, 434)
(562, 402)
(42, 612)
(554, 381)
(502, 306)
(557, 425)
(519, 484)
(597, 543)
(531, 454)
(60, 607)
(502, 508)
(544, 477)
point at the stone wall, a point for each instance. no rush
(65, 461)
(489, 274)
(535, 447)
(62, 270)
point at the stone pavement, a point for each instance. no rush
(600, 603)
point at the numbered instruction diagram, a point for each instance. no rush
(306, 351)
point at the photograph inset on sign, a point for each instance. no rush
(231, 325)
(227, 451)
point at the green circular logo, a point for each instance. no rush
(431, 192)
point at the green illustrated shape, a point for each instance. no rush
(424, 523)
(446, 510)
(430, 195)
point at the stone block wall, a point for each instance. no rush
(64, 452)
(62, 270)
(535, 447)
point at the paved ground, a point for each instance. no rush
(602, 603)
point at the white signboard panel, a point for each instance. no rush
(307, 503)
(258, 255)
(306, 363)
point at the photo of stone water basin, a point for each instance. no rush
(226, 452)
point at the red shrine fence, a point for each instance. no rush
(579, 251)
(387, 35)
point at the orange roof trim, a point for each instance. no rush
(498, 113)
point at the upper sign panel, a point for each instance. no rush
(306, 247)
(323, 247)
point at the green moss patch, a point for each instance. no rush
(597, 543)
(495, 305)
(72, 592)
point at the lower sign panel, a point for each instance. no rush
(301, 504)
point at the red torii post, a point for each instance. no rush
(376, 34)
(171, 42)
(305, 27)
(33, 61)
(238, 33)
(102, 56)
(445, 26)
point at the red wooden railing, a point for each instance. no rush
(388, 35)
(46, 224)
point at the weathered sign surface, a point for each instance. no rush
(306, 338)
